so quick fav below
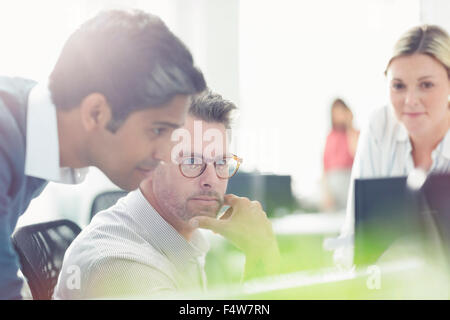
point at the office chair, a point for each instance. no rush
(41, 249)
(105, 200)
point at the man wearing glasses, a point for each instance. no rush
(148, 243)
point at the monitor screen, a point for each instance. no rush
(385, 211)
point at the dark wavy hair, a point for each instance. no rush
(130, 57)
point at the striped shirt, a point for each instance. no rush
(384, 150)
(129, 250)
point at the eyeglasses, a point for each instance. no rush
(193, 167)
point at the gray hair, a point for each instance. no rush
(211, 107)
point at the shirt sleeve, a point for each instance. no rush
(122, 278)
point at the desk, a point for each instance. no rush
(309, 223)
(300, 238)
(410, 278)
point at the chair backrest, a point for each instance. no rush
(105, 200)
(41, 249)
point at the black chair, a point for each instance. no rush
(41, 249)
(105, 200)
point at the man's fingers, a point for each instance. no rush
(226, 214)
(212, 224)
(257, 204)
(235, 201)
(230, 199)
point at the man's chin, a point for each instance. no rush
(204, 211)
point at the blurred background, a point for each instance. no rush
(283, 62)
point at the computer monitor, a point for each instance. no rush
(385, 211)
(273, 191)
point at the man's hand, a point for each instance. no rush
(246, 225)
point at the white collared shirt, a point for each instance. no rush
(42, 147)
(130, 250)
(384, 150)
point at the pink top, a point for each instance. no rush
(337, 154)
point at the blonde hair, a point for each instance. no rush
(426, 39)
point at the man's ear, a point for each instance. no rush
(95, 112)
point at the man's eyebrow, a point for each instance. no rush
(168, 124)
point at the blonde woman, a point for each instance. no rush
(413, 132)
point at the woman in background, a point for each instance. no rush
(413, 132)
(338, 157)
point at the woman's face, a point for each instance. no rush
(341, 117)
(419, 90)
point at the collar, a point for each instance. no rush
(159, 233)
(402, 133)
(42, 145)
(442, 148)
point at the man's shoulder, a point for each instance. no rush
(16, 85)
(107, 239)
(14, 94)
(13, 106)
(102, 247)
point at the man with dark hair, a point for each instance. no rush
(148, 243)
(121, 85)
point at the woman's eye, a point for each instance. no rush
(426, 85)
(398, 86)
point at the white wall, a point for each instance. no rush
(296, 56)
(211, 30)
(435, 12)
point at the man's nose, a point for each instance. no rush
(209, 178)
